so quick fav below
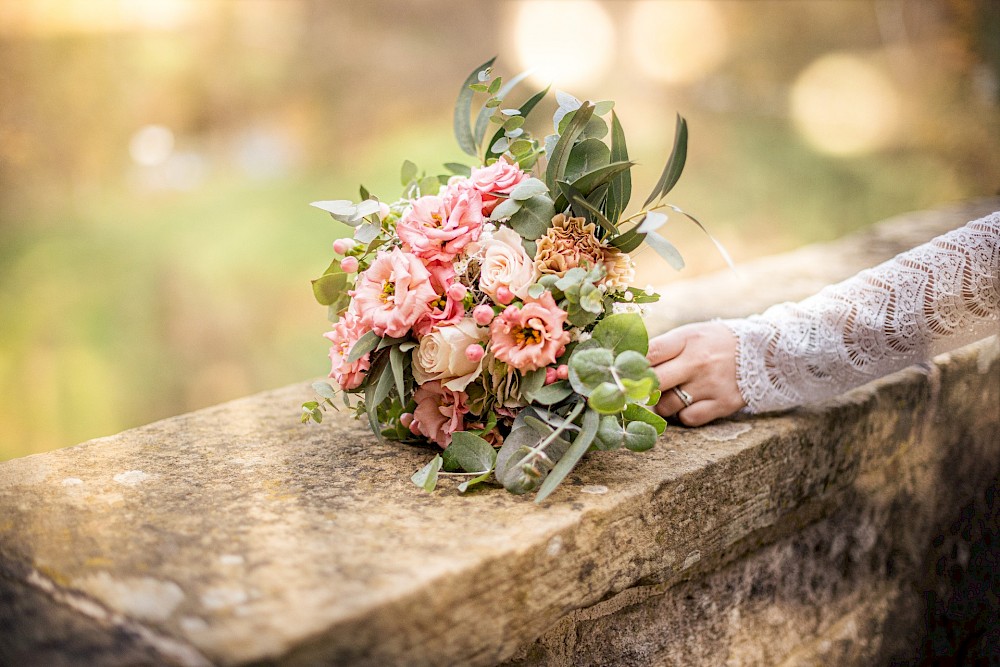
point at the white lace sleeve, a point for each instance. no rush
(931, 299)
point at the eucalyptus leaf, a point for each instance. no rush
(718, 245)
(464, 486)
(607, 398)
(527, 189)
(367, 232)
(329, 288)
(652, 221)
(533, 218)
(675, 164)
(585, 157)
(396, 358)
(531, 382)
(589, 368)
(470, 453)
(665, 249)
(572, 455)
(525, 109)
(551, 394)
(463, 111)
(595, 179)
(610, 433)
(628, 241)
(426, 478)
(635, 412)
(639, 436)
(621, 332)
(324, 390)
(458, 168)
(621, 183)
(365, 344)
(560, 154)
(407, 173)
(505, 209)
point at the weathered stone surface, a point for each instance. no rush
(235, 535)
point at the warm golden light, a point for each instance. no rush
(151, 145)
(676, 42)
(843, 105)
(88, 16)
(579, 53)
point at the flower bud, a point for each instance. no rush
(504, 295)
(550, 375)
(383, 211)
(349, 264)
(562, 372)
(474, 353)
(482, 314)
(457, 291)
(406, 419)
(343, 246)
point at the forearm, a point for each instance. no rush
(935, 297)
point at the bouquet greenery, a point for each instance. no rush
(489, 310)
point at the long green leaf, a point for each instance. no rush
(595, 179)
(379, 376)
(580, 202)
(621, 183)
(396, 357)
(463, 110)
(525, 109)
(560, 154)
(718, 244)
(628, 241)
(675, 165)
(591, 420)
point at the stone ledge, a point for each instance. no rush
(234, 535)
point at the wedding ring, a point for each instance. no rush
(684, 396)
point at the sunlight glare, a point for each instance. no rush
(677, 42)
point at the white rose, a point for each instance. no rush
(441, 355)
(506, 264)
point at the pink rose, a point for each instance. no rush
(445, 309)
(436, 229)
(345, 334)
(500, 176)
(440, 412)
(532, 336)
(393, 293)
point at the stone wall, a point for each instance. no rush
(861, 531)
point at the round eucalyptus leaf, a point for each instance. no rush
(607, 399)
(640, 436)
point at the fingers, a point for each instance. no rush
(666, 346)
(702, 412)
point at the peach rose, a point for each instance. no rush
(345, 334)
(393, 293)
(532, 336)
(440, 412)
(436, 229)
(441, 355)
(506, 264)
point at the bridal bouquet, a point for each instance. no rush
(489, 310)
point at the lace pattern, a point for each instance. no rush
(928, 300)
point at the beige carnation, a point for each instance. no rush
(569, 243)
(619, 267)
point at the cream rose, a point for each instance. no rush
(506, 264)
(441, 355)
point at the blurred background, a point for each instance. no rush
(157, 158)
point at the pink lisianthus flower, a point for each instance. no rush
(439, 413)
(445, 309)
(346, 332)
(500, 176)
(436, 229)
(532, 336)
(393, 293)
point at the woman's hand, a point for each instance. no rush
(700, 360)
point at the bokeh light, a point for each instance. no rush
(844, 105)
(677, 42)
(151, 145)
(580, 56)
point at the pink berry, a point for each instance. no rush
(550, 375)
(504, 295)
(342, 246)
(349, 264)
(562, 372)
(482, 314)
(474, 353)
(457, 291)
(406, 419)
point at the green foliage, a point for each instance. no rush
(463, 112)
(427, 477)
(470, 453)
(621, 332)
(675, 164)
